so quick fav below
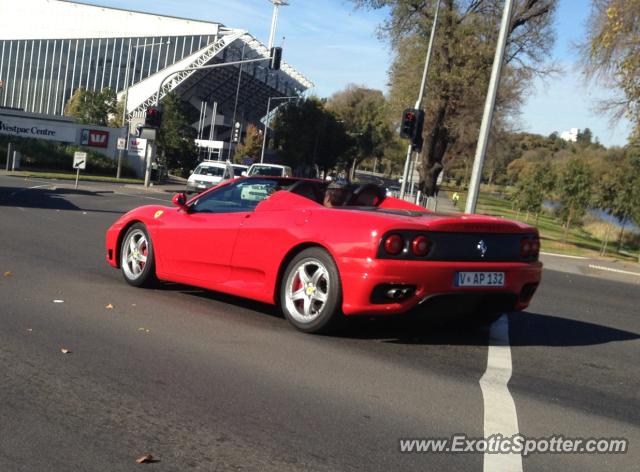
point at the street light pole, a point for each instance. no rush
(266, 123)
(126, 98)
(274, 19)
(489, 106)
(425, 72)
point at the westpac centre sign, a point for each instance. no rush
(39, 129)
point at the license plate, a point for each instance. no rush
(480, 279)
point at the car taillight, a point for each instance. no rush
(420, 245)
(393, 244)
(535, 247)
(529, 247)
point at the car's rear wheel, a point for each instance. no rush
(137, 259)
(310, 292)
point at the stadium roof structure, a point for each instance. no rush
(50, 48)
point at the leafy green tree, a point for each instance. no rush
(176, 145)
(611, 54)
(534, 185)
(251, 146)
(364, 114)
(574, 187)
(92, 107)
(308, 135)
(461, 64)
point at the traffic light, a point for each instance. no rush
(411, 127)
(153, 117)
(409, 123)
(276, 58)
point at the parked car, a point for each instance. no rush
(272, 170)
(271, 239)
(206, 175)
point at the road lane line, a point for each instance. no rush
(563, 255)
(500, 415)
(617, 271)
(31, 188)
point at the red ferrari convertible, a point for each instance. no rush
(273, 240)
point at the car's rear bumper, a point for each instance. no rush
(429, 281)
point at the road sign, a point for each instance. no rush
(80, 160)
(122, 144)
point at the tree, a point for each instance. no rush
(176, 145)
(92, 107)
(308, 135)
(251, 146)
(584, 137)
(461, 64)
(535, 182)
(574, 188)
(364, 114)
(611, 54)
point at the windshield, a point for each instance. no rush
(266, 170)
(209, 170)
(237, 170)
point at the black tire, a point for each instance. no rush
(135, 246)
(318, 307)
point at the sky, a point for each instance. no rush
(334, 45)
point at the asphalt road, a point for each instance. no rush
(209, 382)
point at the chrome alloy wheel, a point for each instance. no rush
(307, 290)
(134, 254)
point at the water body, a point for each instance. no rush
(598, 213)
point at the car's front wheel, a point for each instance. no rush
(137, 259)
(310, 292)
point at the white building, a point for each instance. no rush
(51, 48)
(571, 135)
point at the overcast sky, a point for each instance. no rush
(335, 45)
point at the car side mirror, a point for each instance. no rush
(244, 173)
(180, 200)
(191, 172)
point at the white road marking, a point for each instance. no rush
(563, 255)
(617, 271)
(500, 415)
(31, 188)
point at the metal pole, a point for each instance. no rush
(274, 20)
(9, 148)
(266, 122)
(235, 105)
(266, 127)
(124, 111)
(425, 73)
(147, 172)
(489, 106)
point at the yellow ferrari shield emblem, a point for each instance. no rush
(158, 214)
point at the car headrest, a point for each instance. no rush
(307, 189)
(366, 195)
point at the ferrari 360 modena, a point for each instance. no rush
(271, 239)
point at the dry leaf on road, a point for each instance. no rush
(109, 306)
(8, 274)
(64, 350)
(145, 458)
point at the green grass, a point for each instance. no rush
(579, 242)
(72, 176)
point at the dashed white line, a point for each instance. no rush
(500, 415)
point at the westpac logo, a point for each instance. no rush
(94, 138)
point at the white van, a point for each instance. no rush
(207, 174)
(274, 170)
